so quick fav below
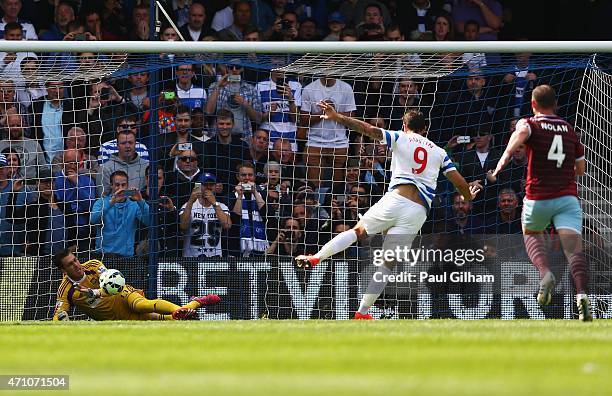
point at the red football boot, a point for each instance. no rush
(306, 261)
(359, 316)
(210, 299)
(184, 314)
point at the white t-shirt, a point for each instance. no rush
(223, 19)
(326, 133)
(29, 33)
(416, 160)
(204, 235)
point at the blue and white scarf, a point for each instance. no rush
(252, 229)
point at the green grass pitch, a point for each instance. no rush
(435, 357)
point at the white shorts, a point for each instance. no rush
(394, 214)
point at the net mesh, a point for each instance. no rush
(308, 182)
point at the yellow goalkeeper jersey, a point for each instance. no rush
(101, 308)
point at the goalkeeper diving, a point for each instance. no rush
(415, 164)
(80, 287)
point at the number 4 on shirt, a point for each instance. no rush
(555, 153)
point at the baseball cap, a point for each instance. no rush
(3, 161)
(207, 177)
(336, 17)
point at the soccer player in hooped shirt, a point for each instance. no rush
(203, 219)
(80, 287)
(415, 165)
(555, 156)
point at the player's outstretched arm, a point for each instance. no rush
(468, 192)
(362, 127)
(519, 136)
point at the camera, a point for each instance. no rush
(463, 139)
(184, 146)
(198, 185)
(105, 93)
(246, 187)
(286, 24)
(234, 78)
(129, 193)
(80, 37)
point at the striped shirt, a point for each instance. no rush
(416, 160)
(109, 148)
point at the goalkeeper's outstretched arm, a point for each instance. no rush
(362, 127)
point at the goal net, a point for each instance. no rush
(172, 129)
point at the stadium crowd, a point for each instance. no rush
(245, 166)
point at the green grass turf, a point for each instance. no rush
(436, 357)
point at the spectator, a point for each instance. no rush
(15, 170)
(139, 29)
(289, 241)
(180, 9)
(348, 35)
(27, 87)
(113, 21)
(76, 193)
(327, 141)
(473, 60)
(462, 221)
(64, 14)
(180, 182)
(407, 96)
(43, 218)
(171, 144)
(417, 17)
(276, 194)
(167, 227)
(127, 159)
(507, 219)
(138, 93)
(523, 80)
(291, 171)
(203, 220)
(93, 24)
(31, 154)
(443, 28)
(9, 103)
(280, 100)
(394, 33)
(240, 97)
(252, 34)
(475, 166)
(109, 148)
(117, 216)
(86, 164)
(249, 212)
(240, 24)
(335, 24)
(368, 11)
(11, 9)
(195, 29)
(285, 27)
(357, 202)
(224, 151)
(258, 153)
(224, 17)
(488, 14)
(51, 115)
(188, 93)
(10, 62)
(308, 30)
(372, 20)
(166, 111)
(12, 236)
(199, 126)
(169, 34)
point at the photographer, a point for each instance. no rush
(249, 211)
(289, 241)
(117, 216)
(203, 219)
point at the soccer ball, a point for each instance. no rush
(112, 281)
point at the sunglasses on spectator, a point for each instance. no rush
(188, 159)
(235, 67)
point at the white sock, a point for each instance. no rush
(339, 243)
(373, 291)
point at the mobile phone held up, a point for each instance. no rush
(184, 146)
(463, 139)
